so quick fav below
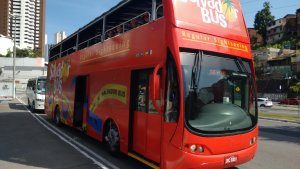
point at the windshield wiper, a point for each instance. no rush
(241, 65)
(196, 69)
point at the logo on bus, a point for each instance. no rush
(231, 159)
(59, 73)
(219, 12)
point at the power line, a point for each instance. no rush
(250, 1)
(274, 9)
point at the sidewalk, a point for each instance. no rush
(284, 106)
(278, 113)
(7, 106)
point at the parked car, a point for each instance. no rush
(264, 102)
(293, 101)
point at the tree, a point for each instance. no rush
(262, 19)
(23, 53)
(295, 88)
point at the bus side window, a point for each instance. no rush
(29, 85)
(159, 11)
(33, 85)
(172, 97)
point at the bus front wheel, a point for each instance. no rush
(112, 138)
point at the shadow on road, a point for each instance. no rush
(282, 133)
(20, 106)
(16, 106)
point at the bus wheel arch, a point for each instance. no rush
(56, 116)
(111, 137)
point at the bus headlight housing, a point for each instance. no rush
(193, 148)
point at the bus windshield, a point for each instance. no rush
(41, 86)
(219, 93)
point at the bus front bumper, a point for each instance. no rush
(40, 105)
(196, 161)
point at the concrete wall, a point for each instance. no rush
(6, 92)
(26, 68)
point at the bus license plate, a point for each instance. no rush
(231, 159)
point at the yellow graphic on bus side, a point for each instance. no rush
(109, 91)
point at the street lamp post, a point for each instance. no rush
(14, 16)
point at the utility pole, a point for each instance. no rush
(14, 17)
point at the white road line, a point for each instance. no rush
(80, 145)
(61, 135)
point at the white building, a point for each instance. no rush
(6, 44)
(59, 36)
(25, 69)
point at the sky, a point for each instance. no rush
(71, 15)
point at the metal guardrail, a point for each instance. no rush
(125, 26)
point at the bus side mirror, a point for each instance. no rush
(154, 88)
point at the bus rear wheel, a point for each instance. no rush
(112, 138)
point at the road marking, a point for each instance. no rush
(64, 137)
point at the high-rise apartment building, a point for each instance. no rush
(28, 24)
(59, 36)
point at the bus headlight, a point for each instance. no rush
(193, 148)
(201, 149)
(40, 100)
(196, 148)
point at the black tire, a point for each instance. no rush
(56, 118)
(112, 138)
(32, 107)
(262, 105)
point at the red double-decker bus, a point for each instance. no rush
(168, 82)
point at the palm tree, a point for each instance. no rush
(230, 5)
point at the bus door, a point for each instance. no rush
(146, 127)
(80, 103)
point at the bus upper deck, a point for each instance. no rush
(213, 23)
(127, 15)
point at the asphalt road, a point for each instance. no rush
(32, 141)
(279, 146)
